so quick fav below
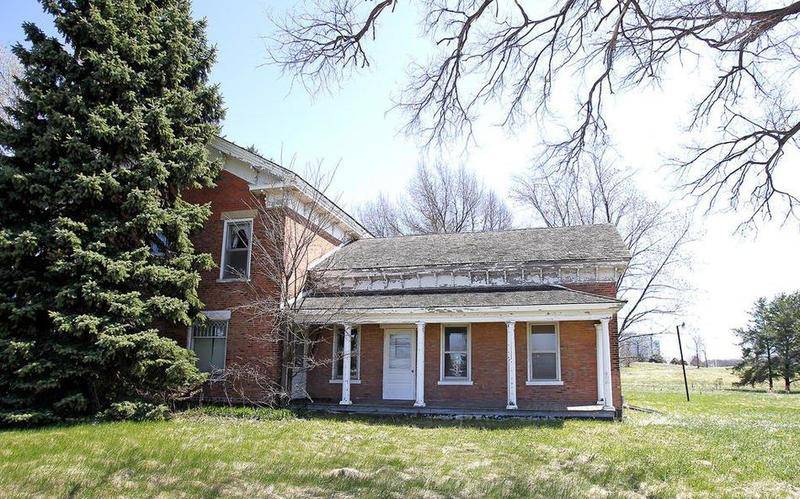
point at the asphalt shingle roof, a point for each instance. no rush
(454, 299)
(560, 244)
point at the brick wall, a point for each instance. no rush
(578, 368)
(248, 343)
(250, 347)
(608, 289)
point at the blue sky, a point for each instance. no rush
(263, 110)
(351, 128)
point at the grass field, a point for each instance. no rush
(724, 443)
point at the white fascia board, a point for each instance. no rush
(305, 195)
(289, 180)
(548, 313)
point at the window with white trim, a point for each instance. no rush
(544, 359)
(236, 246)
(455, 359)
(209, 343)
(355, 354)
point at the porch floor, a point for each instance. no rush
(394, 408)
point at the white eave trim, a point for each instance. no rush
(291, 181)
(543, 313)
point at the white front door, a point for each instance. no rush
(398, 364)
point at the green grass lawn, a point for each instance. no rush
(723, 443)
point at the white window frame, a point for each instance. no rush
(443, 380)
(219, 316)
(225, 247)
(353, 380)
(544, 382)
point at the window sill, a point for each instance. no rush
(232, 280)
(339, 382)
(455, 382)
(553, 382)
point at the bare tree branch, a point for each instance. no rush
(326, 42)
(291, 232)
(515, 54)
(10, 69)
(438, 199)
(656, 236)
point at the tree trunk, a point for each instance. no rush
(787, 370)
(769, 366)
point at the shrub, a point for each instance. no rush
(16, 419)
(245, 412)
(135, 411)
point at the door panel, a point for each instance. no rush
(398, 365)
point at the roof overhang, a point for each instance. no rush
(517, 313)
(279, 180)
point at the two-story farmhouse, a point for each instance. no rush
(509, 322)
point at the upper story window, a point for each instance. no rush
(355, 354)
(209, 343)
(544, 358)
(456, 355)
(237, 245)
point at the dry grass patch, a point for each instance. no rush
(725, 443)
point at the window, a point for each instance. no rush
(544, 363)
(455, 362)
(236, 245)
(159, 246)
(355, 354)
(209, 342)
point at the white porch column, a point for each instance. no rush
(608, 399)
(600, 359)
(511, 366)
(420, 401)
(346, 355)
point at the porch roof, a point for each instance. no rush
(469, 302)
(448, 298)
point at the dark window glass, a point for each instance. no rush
(209, 343)
(544, 352)
(455, 365)
(237, 250)
(355, 355)
(544, 366)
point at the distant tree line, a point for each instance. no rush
(437, 199)
(771, 342)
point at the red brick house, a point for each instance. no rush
(512, 322)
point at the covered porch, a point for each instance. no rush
(533, 353)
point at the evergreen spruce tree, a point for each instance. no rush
(113, 124)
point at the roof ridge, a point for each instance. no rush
(516, 229)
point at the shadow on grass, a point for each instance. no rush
(55, 425)
(272, 414)
(434, 422)
(744, 389)
(421, 422)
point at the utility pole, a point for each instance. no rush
(683, 364)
